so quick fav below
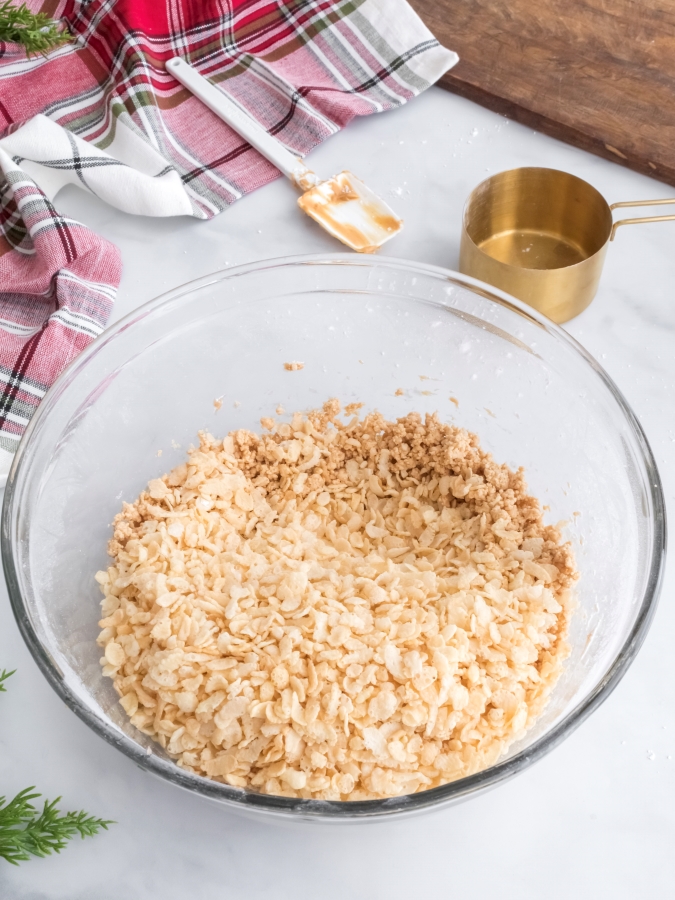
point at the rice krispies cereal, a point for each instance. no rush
(338, 610)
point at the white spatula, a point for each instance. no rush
(343, 205)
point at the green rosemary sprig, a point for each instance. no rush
(4, 675)
(36, 32)
(25, 833)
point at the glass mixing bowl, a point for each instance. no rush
(364, 327)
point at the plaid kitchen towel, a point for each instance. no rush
(103, 113)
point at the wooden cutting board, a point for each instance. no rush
(599, 74)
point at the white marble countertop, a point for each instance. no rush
(595, 818)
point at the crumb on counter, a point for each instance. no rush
(218, 402)
(351, 409)
(454, 400)
(424, 378)
(294, 366)
(336, 610)
(237, 404)
(489, 412)
(399, 392)
(267, 423)
(280, 410)
(159, 453)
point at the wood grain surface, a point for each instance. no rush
(599, 74)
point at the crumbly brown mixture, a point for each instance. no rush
(336, 610)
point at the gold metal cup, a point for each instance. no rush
(541, 235)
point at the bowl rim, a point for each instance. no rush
(323, 810)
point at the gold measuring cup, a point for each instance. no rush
(541, 235)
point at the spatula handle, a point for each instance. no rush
(219, 103)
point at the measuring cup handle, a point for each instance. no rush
(645, 218)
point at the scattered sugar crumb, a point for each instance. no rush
(280, 410)
(399, 392)
(175, 445)
(294, 366)
(352, 408)
(427, 393)
(576, 513)
(361, 361)
(424, 378)
(218, 402)
(236, 404)
(159, 453)
(489, 412)
(267, 423)
(454, 400)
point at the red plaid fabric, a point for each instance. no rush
(58, 287)
(302, 68)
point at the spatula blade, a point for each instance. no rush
(351, 212)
